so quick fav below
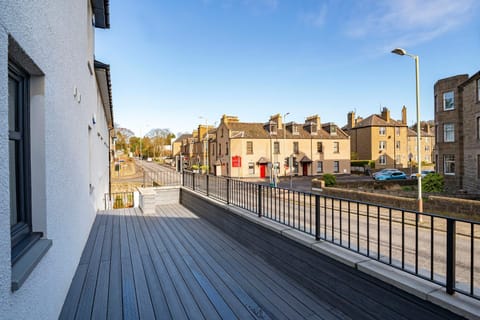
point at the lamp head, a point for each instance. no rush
(399, 51)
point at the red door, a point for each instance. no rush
(305, 169)
(262, 171)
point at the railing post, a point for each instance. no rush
(228, 191)
(317, 217)
(207, 183)
(259, 201)
(193, 180)
(450, 256)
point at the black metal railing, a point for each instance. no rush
(119, 200)
(439, 249)
(161, 178)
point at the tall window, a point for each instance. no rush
(19, 156)
(398, 159)
(382, 131)
(336, 166)
(448, 101)
(478, 166)
(319, 147)
(478, 127)
(249, 147)
(319, 167)
(276, 147)
(295, 147)
(397, 144)
(382, 159)
(226, 148)
(336, 147)
(251, 168)
(382, 145)
(397, 131)
(478, 89)
(448, 132)
(449, 164)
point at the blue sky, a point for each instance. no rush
(175, 61)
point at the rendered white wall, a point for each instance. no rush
(55, 35)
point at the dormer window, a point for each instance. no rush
(333, 130)
(294, 129)
(272, 127)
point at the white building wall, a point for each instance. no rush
(58, 36)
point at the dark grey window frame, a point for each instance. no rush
(21, 232)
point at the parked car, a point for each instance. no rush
(391, 175)
(424, 173)
(383, 171)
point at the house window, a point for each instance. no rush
(276, 147)
(219, 149)
(226, 148)
(249, 147)
(449, 164)
(478, 127)
(336, 147)
(213, 149)
(251, 168)
(295, 147)
(398, 159)
(319, 147)
(397, 131)
(294, 129)
(382, 145)
(319, 167)
(336, 166)
(448, 101)
(222, 134)
(397, 144)
(427, 148)
(478, 89)
(435, 104)
(382, 131)
(19, 158)
(333, 130)
(448, 132)
(382, 159)
(478, 166)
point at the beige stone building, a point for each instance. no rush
(241, 149)
(379, 138)
(427, 144)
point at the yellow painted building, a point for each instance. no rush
(244, 150)
(379, 138)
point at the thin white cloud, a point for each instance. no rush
(316, 18)
(408, 22)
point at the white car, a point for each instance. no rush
(424, 174)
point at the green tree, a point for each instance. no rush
(433, 182)
(330, 180)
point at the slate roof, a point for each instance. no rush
(413, 133)
(255, 130)
(375, 121)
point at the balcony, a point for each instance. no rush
(205, 259)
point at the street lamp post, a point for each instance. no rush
(206, 147)
(285, 145)
(402, 52)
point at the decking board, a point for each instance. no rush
(174, 265)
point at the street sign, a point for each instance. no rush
(236, 162)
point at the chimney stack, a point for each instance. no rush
(351, 119)
(386, 114)
(404, 115)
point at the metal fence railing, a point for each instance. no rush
(119, 200)
(161, 178)
(440, 249)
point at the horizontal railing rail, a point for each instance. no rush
(119, 200)
(436, 248)
(161, 178)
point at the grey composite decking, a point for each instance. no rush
(173, 264)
